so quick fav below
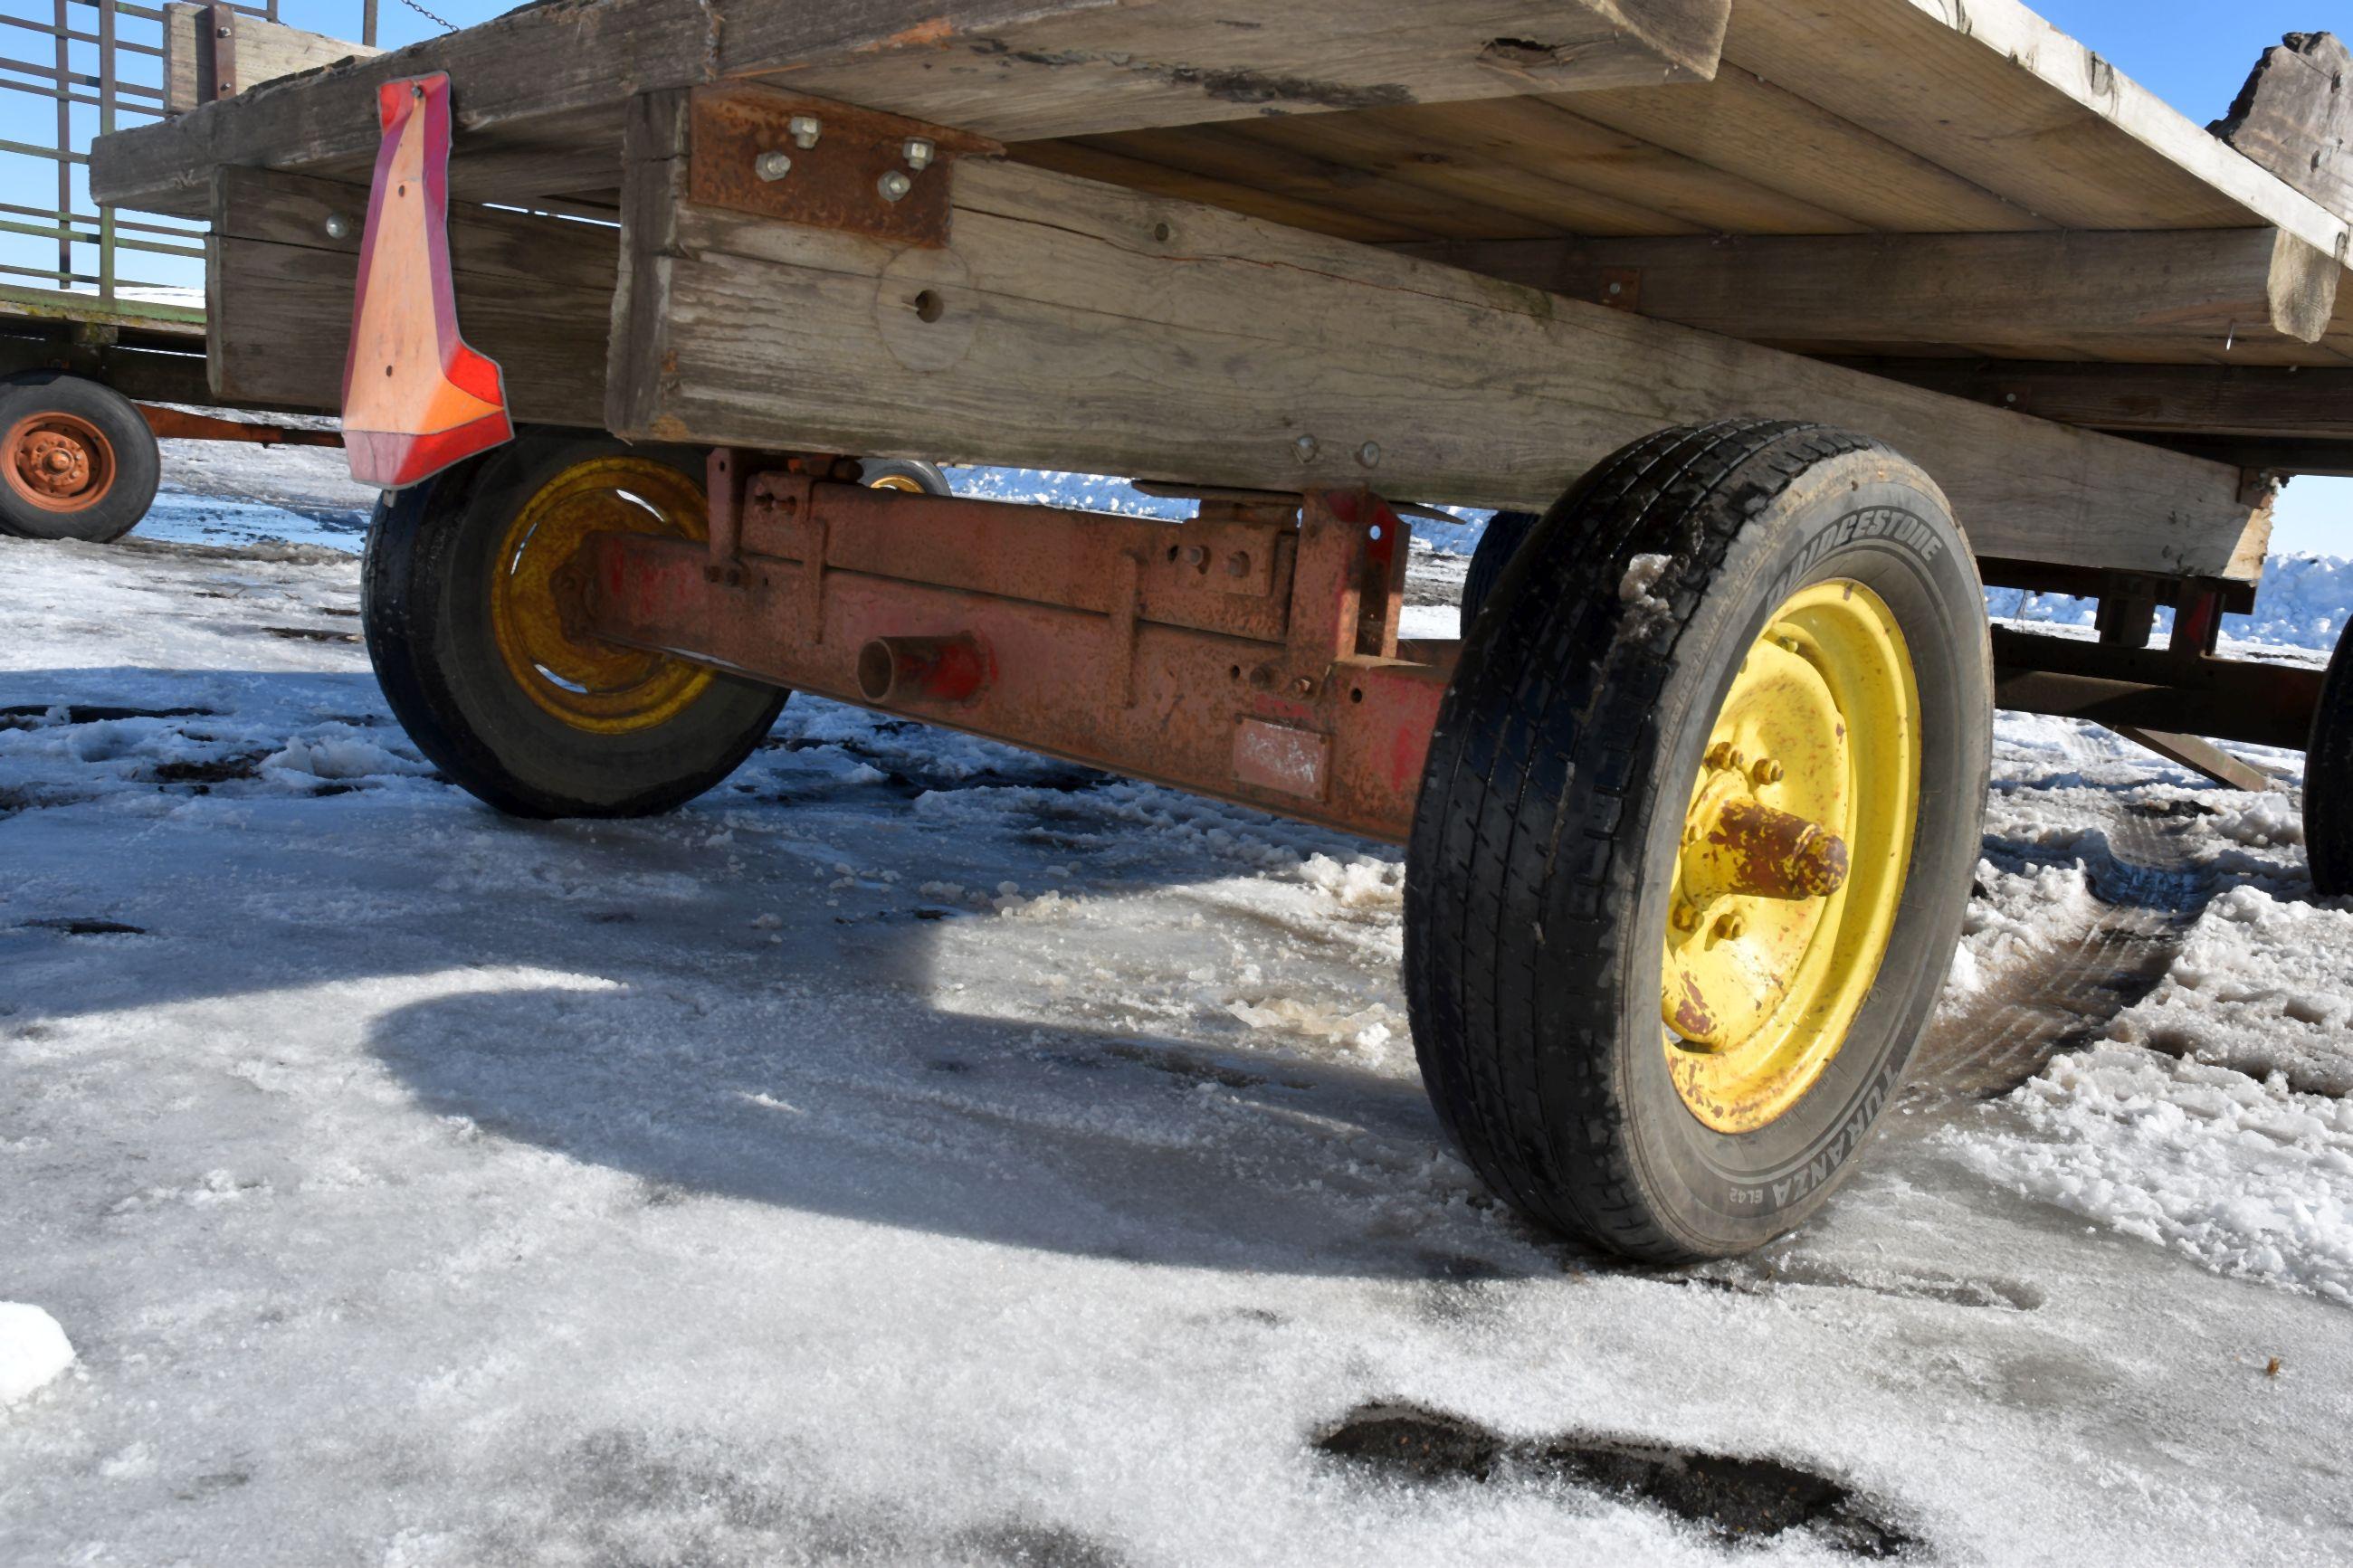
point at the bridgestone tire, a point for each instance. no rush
(2328, 779)
(137, 464)
(1544, 849)
(424, 604)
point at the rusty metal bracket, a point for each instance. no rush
(824, 165)
(220, 51)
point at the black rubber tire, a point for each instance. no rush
(139, 463)
(1557, 785)
(925, 477)
(1498, 543)
(425, 608)
(2328, 779)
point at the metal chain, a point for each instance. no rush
(446, 24)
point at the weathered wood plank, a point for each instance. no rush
(1073, 70)
(2197, 400)
(1007, 68)
(1076, 325)
(533, 293)
(265, 50)
(2163, 295)
(2295, 117)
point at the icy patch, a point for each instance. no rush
(2241, 1173)
(34, 1350)
(1642, 574)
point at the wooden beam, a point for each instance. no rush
(265, 50)
(533, 293)
(2178, 399)
(1007, 68)
(2295, 117)
(2155, 295)
(1079, 325)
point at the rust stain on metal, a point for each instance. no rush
(855, 175)
(1692, 1019)
(1278, 757)
(1770, 854)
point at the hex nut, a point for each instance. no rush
(773, 165)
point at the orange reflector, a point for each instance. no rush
(415, 398)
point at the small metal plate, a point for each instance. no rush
(837, 182)
(1278, 757)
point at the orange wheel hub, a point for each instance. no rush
(58, 462)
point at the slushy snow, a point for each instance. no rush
(920, 1152)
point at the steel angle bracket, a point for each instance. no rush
(416, 397)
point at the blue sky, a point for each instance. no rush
(2194, 53)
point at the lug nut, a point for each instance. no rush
(1719, 755)
(804, 128)
(1730, 928)
(1765, 771)
(773, 165)
(1684, 918)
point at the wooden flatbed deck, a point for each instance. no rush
(1924, 190)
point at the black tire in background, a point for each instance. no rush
(2328, 778)
(135, 463)
(1498, 543)
(425, 605)
(1543, 857)
(911, 474)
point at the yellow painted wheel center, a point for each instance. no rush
(536, 594)
(1795, 846)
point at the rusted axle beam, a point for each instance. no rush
(1247, 653)
(2148, 689)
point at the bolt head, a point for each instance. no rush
(1369, 453)
(919, 152)
(894, 186)
(1685, 917)
(804, 128)
(1237, 563)
(338, 227)
(1730, 928)
(1195, 555)
(773, 165)
(1304, 448)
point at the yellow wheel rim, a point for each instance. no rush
(1796, 842)
(536, 594)
(896, 482)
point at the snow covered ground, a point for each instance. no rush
(915, 1152)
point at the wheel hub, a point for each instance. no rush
(1794, 845)
(537, 586)
(58, 462)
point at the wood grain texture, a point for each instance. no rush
(2295, 117)
(1005, 68)
(266, 51)
(1072, 324)
(533, 293)
(2165, 296)
(2193, 400)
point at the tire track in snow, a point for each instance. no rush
(2148, 893)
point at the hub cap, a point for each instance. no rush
(1795, 845)
(58, 462)
(537, 590)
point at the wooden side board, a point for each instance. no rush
(2227, 296)
(262, 50)
(1079, 325)
(533, 293)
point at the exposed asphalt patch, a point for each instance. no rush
(1736, 1498)
(77, 925)
(37, 715)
